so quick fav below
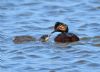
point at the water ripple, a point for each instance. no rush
(36, 18)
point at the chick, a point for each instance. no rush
(44, 38)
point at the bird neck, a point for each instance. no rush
(63, 32)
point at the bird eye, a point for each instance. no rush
(61, 27)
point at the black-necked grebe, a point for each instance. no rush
(22, 39)
(44, 38)
(64, 36)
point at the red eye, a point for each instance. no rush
(61, 27)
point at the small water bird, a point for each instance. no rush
(27, 38)
(22, 39)
(64, 36)
(44, 38)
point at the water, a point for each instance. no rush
(36, 18)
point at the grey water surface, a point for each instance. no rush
(36, 18)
